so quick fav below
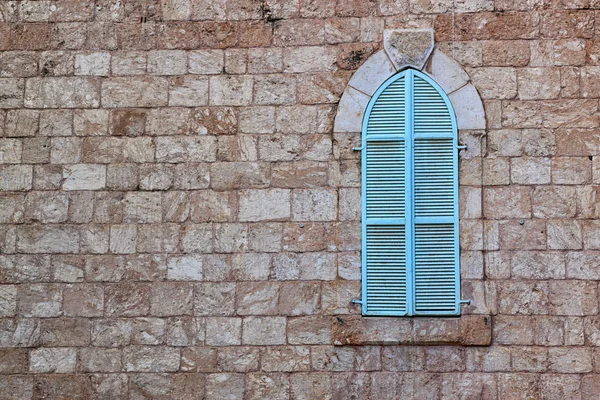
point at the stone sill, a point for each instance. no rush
(467, 330)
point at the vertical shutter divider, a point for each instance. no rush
(409, 182)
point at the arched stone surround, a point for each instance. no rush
(403, 49)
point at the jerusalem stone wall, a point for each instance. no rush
(178, 218)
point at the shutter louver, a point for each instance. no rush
(410, 207)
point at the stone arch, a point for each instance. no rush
(404, 48)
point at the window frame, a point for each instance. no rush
(409, 139)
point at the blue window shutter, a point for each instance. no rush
(410, 207)
(384, 205)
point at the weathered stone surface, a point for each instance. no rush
(262, 205)
(408, 47)
(447, 72)
(350, 111)
(468, 108)
(372, 73)
(62, 93)
(134, 92)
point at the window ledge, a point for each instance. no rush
(467, 330)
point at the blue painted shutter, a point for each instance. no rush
(384, 231)
(410, 208)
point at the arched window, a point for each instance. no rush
(410, 219)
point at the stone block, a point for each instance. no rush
(238, 359)
(67, 92)
(142, 207)
(94, 64)
(537, 265)
(286, 359)
(231, 90)
(53, 360)
(572, 298)
(188, 91)
(504, 53)
(223, 331)
(199, 359)
(99, 360)
(134, 92)
(83, 300)
(554, 202)
(225, 386)
(257, 298)
(468, 108)
(314, 205)
(350, 111)
(22, 123)
(151, 359)
(178, 149)
(206, 62)
(11, 92)
(264, 331)
(564, 234)
(264, 205)
(48, 239)
(8, 300)
(184, 268)
(14, 361)
(495, 82)
(408, 47)
(167, 62)
(127, 299)
(148, 331)
(308, 59)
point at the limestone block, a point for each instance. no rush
(351, 111)
(40, 300)
(206, 62)
(225, 386)
(215, 299)
(372, 73)
(408, 47)
(468, 108)
(53, 360)
(96, 64)
(184, 268)
(188, 91)
(135, 92)
(8, 301)
(308, 59)
(262, 205)
(84, 177)
(11, 92)
(223, 331)
(16, 177)
(48, 239)
(167, 62)
(231, 90)
(128, 63)
(314, 205)
(264, 330)
(100, 360)
(151, 359)
(10, 151)
(447, 72)
(67, 92)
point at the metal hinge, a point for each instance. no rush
(361, 148)
(357, 301)
(461, 147)
(468, 302)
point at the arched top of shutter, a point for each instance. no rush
(413, 92)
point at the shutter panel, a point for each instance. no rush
(410, 203)
(435, 204)
(384, 206)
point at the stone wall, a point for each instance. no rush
(179, 219)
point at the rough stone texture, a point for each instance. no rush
(180, 201)
(408, 47)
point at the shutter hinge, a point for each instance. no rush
(468, 302)
(358, 148)
(357, 301)
(461, 147)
